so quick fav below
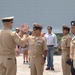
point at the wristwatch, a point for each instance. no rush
(24, 32)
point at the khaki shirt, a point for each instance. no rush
(8, 41)
(65, 42)
(37, 45)
(72, 50)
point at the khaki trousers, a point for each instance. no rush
(65, 67)
(7, 65)
(36, 66)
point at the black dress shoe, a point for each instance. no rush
(52, 68)
(23, 62)
(47, 68)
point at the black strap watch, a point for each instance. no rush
(24, 32)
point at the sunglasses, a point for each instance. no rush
(34, 29)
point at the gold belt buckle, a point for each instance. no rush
(34, 56)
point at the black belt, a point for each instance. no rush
(50, 45)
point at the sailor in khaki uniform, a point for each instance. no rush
(65, 46)
(8, 41)
(38, 51)
(72, 48)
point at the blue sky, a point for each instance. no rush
(46, 12)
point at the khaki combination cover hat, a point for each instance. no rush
(37, 26)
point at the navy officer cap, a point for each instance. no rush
(37, 26)
(65, 27)
(7, 19)
(73, 23)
